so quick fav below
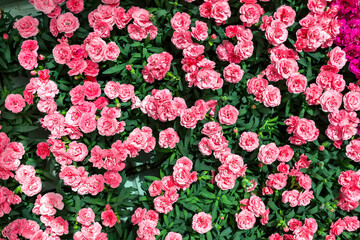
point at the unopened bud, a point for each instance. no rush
(5, 36)
(213, 36)
(128, 67)
(41, 57)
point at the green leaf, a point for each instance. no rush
(209, 236)
(7, 54)
(226, 232)
(24, 129)
(115, 69)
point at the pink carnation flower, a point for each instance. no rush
(202, 222)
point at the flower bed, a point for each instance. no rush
(238, 118)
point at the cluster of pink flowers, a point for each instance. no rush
(342, 126)
(74, 56)
(181, 38)
(264, 92)
(270, 152)
(296, 198)
(200, 70)
(299, 230)
(10, 155)
(275, 28)
(350, 224)
(278, 181)
(147, 221)
(181, 179)
(216, 9)
(89, 228)
(80, 182)
(30, 184)
(250, 209)
(7, 198)
(157, 67)
(303, 130)
(111, 160)
(65, 155)
(232, 165)
(327, 92)
(202, 222)
(45, 89)
(50, 7)
(82, 116)
(333, 84)
(28, 54)
(104, 17)
(142, 26)
(350, 190)
(168, 138)
(319, 27)
(284, 66)
(27, 26)
(161, 105)
(45, 205)
(189, 117)
(116, 90)
(244, 48)
(22, 228)
(107, 124)
(138, 139)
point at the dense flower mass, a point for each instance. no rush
(211, 119)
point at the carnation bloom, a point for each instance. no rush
(15, 103)
(202, 222)
(245, 219)
(67, 23)
(109, 218)
(228, 115)
(27, 26)
(249, 141)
